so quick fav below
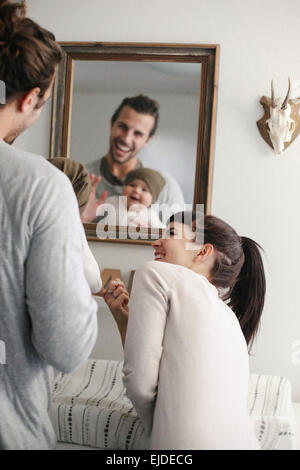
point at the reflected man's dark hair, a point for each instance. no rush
(141, 104)
(238, 268)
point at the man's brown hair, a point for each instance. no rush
(28, 53)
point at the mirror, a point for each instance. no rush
(91, 83)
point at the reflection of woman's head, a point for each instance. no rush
(209, 246)
(79, 177)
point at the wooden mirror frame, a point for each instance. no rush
(206, 55)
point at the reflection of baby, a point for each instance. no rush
(141, 189)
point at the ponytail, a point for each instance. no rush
(247, 296)
(238, 271)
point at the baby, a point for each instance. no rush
(141, 190)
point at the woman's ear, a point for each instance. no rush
(205, 252)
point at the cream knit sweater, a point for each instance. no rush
(186, 362)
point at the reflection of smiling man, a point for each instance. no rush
(133, 126)
(129, 133)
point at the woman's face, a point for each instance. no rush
(176, 246)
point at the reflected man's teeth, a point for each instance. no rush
(124, 148)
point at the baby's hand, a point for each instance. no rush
(90, 211)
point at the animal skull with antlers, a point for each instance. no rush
(281, 123)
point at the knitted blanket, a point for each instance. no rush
(89, 407)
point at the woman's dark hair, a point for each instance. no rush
(141, 104)
(28, 53)
(238, 268)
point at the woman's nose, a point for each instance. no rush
(156, 243)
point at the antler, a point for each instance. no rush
(286, 100)
(272, 95)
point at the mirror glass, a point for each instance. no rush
(100, 86)
(91, 82)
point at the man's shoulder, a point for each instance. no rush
(37, 179)
(171, 193)
(11, 156)
(26, 164)
(94, 166)
(170, 180)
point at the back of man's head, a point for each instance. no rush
(141, 104)
(28, 53)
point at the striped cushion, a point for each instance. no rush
(270, 406)
(89, 407)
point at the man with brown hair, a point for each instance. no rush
(132, 127)
(47, 314)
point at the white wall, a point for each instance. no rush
(125, 258)
(254, 190)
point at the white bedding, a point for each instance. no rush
(296, 408)
(90, 408)
(270, 406)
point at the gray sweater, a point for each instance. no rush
(170, 195)
(47, 313)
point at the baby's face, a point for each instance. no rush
(137, 192)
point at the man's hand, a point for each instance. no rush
(90, 211)
(117, 298)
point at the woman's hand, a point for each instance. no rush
(117, 298)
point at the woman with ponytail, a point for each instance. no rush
(193, 311)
